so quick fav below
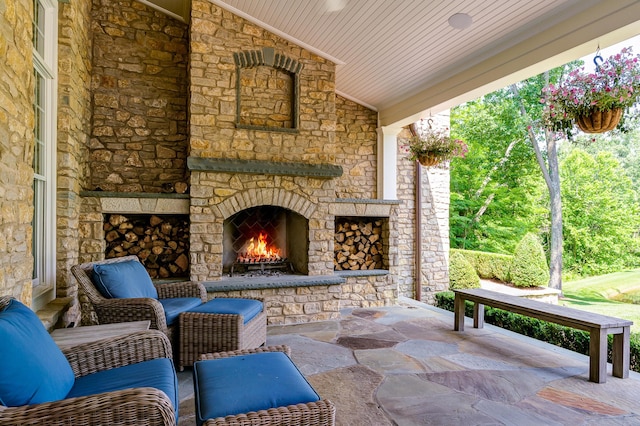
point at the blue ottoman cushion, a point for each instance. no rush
(173, 307)
(248, 308)
(253, 382)
(157, 373)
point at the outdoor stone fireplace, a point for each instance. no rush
(263, 239)
(276, 155)
(272, 153)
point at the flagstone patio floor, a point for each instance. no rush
(404, 365)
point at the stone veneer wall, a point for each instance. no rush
(74, 117)
(216, 35)
(435, 223)
(16, 149)
(356, 149)
(139, 139)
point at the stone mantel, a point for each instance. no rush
(264, 167)
(140, 202)
(362, 207)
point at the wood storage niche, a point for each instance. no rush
(161, 242)
(359, 243)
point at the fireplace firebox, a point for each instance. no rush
(265, 239)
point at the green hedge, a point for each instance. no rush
(488, 265)
(565, 337)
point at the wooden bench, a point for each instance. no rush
(598, 326)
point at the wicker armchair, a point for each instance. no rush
(208, 327)
(133, 406)
(134, 309)
(317, 413)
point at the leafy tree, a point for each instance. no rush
(624, 146)
(601, 214)
(494, 187)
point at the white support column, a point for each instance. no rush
(387, 162)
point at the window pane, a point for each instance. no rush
(38, 110)
(38, 27)
(38, 231)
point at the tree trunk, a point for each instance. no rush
(551, 174)
(555, 252)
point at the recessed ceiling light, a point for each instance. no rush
(334, 5)
(460, 21)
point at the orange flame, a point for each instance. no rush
(260, 250)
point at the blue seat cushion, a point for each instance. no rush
(253, 382)
(173, 307)
(248, 308)
(33, 370)
(123, 280)
(157, 373)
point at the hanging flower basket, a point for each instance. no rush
(428, 160)
(434, 146)
(603, 95)
(599, 121)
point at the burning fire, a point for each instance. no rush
(259, 251)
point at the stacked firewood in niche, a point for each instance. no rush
(161, 243)
(357, 244)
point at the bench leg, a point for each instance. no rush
(620, 354)
(598, 355)
(478, 315)
(458, 313)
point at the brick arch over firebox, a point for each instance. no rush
(259, 197)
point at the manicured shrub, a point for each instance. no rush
(529, 267)
(559, 335)
(461, 273)
(488, 265)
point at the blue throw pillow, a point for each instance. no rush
(33, 370)
(123, 280)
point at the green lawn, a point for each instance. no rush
(598, 294)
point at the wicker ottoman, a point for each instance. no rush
(256, 387)
(221, 324)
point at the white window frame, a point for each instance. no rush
(45, 239)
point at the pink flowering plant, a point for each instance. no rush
(614, 84)
(436, 143)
